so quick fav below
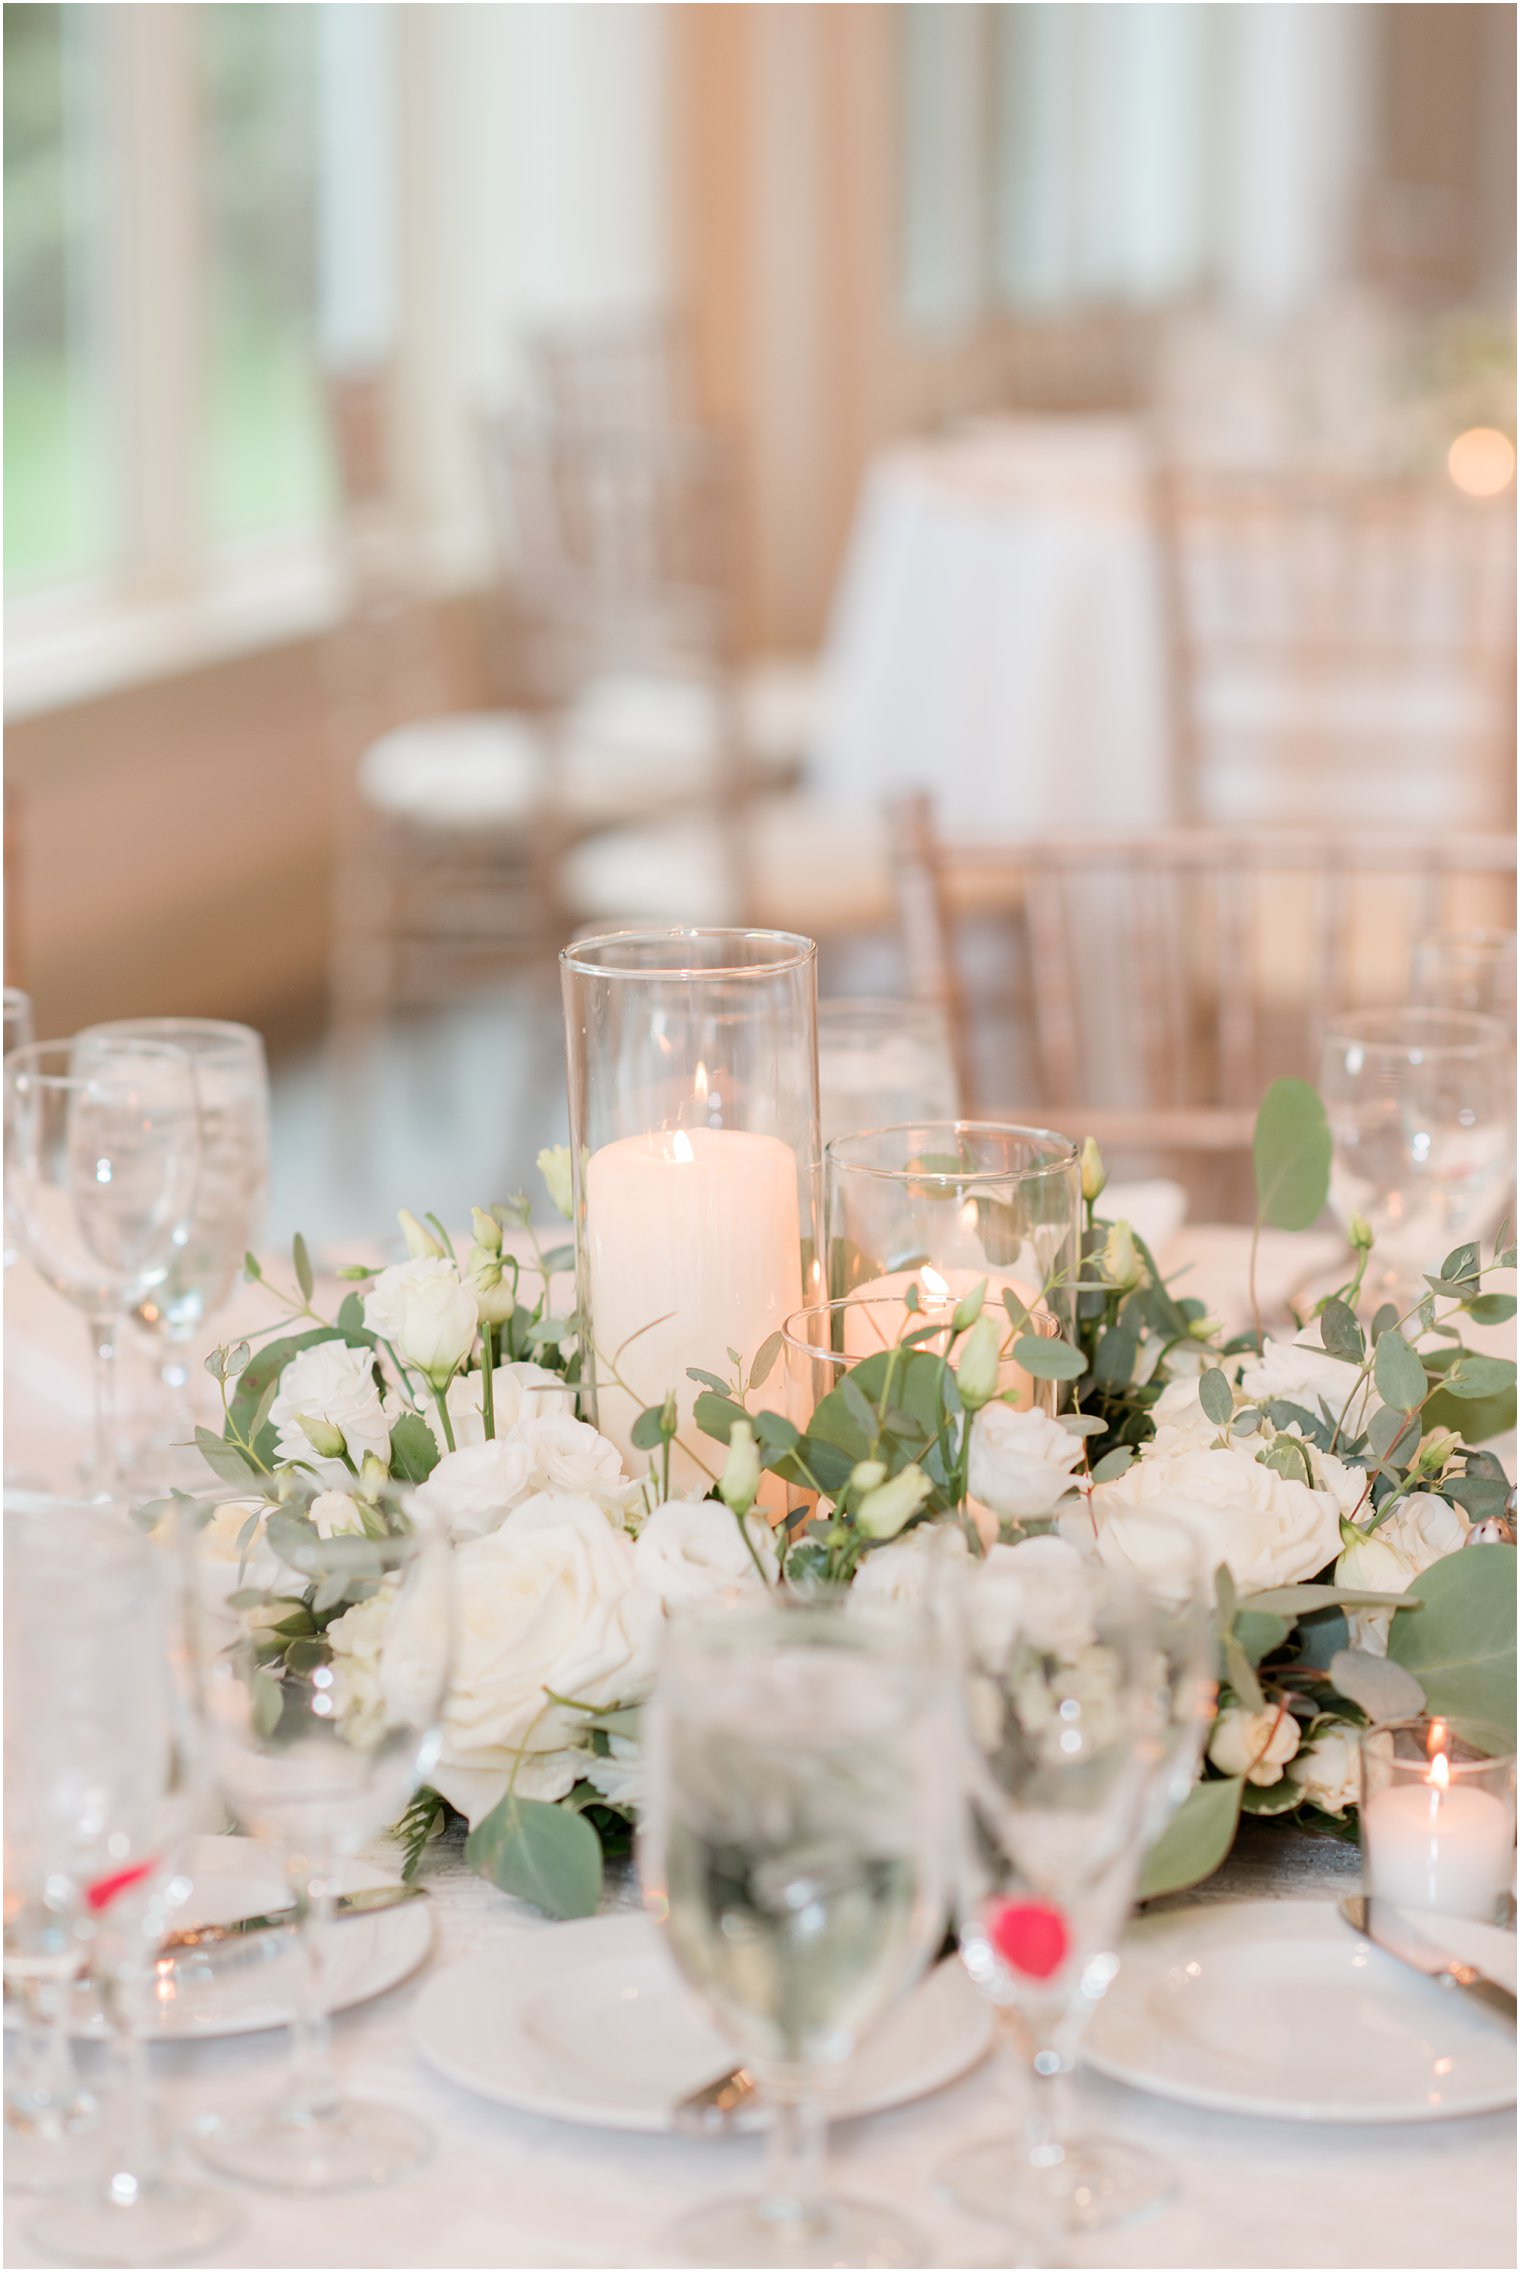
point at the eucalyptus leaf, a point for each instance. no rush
(1474, 1376)
(1215, 1395)
(1114, 1463)
(1240, 1672)
(1290, 1152)
(1491, 1309)
(1294, 1601)
(305, 1275)
(414, 1449)
(1259, 1634)
(1048, 1360)
(1459, 1643)
(765, 1358)
(715, 1415)
(1339, 1331)
(545, 1854)
(226, 1460)
(1378, 1686)
(1272, 1798)
(648, 1430)
(1195, 1841)
(1398, 1372)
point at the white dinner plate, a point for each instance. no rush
(590, 2023)
(1279, 2008)
(240, 1989)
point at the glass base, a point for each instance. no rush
(1099, 2182)
(356, 2142)
(842, 2233)
(165, 2224)
(48, 2148)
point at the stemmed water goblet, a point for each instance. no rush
(1065, 1739)
(1466, 970)
(232, 1098)
(99, 1794)
(794, 1850)
(18, 1032)
(321, 1661)
(102, 1148)
(1421, 1109)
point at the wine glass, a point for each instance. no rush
(18, 1032)
(881, 1063)
(317, 1738)
(98, 1796)
(232, 1093)
(1064, 1742)
(794, 1851)
(1466, 970)
(1164, 1551)
(101, 1158)
(1421, 1109)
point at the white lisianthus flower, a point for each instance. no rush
(1180, 1422)
(1257, 1745)
(692, 1549)
(1328, 1770)
(569, 1455)
(1021, 1462)
(1036, 1589)
(1268, 1529)
(388, 1661)
(897, 1575)
(520, 1391)
(1422, 1529)
(473, 1491)
(1304, 1372)
(335, 1384)
(357, 1641)
(427, 1313)
(547, 1602)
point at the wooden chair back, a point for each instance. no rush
(632, 373)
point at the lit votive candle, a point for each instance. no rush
(871, 1311)
(1432, 1836)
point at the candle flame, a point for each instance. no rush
(1436, 1740)
(1440, 1772)
(934, 1285)
(701, 1084)
(968, 1215)
(681, 1147)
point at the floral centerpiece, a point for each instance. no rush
(1336, 1481)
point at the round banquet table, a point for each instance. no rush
(512, 2189)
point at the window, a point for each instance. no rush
(58, 513)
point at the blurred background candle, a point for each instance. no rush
(693, 1070)
(1437, 1821)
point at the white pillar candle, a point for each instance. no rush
(698, 1229)
(939, 1290)
(1438, 1845)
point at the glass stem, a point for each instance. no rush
(314, 2085)
(794, 2151)
(174, 1372)
(103, 1333)
(133, 2164)
(1040, 2068)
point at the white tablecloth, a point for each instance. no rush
(509, 2189)
(997, 636)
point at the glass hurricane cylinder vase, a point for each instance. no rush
(693, 1075)
(934, 1206)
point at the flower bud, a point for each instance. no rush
(1120, 1262)
(325, 1440)
(1359, 1232)
(883, 1512)
(554, 1167)
(740, 1479)
(494, 1288)
(1204, 1328)
(1436, 1448)
(1094, 1173)
(373, 1471)
(487, 1230)
(867, 1473)
(420, 1241)
(976, 1374)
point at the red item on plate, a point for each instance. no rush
(1029, 1936)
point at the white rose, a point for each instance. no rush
(897, 1576)
(546, 1602)
(1422, 1529)
(1021, 1462)
(1329, 1769)
(1036, 1590)
(388, 1659)
(334, 1514)
(620, 1776)
(1180, 1422)
(1257, 1745)
(569, 1455)
(427, 1313)
(473, 1491)
(691, 1549)
(1304, 1372)
(334, 1383)
(519, 1391)
(1268, 1529)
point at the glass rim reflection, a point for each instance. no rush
(26, 1063)
(1417, 1033)
(202, 1039)
(1064, 1152)
(1037, 1320)
(618, 954)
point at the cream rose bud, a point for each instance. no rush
(1257, 1745)
(1329, 1769)
(335, 1515)
(976, 1371)
(419, 1239)
(332, 1383)
(1120, 1261)
(495, 1288)
(1094, 1173)
(884, 1510)
(1268, 1529)
(547, 1604)
(1422, 1528)
(691, 1549)
(427, 1313)
(1021, 1462)
(473, 1491)
(740, 1479)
